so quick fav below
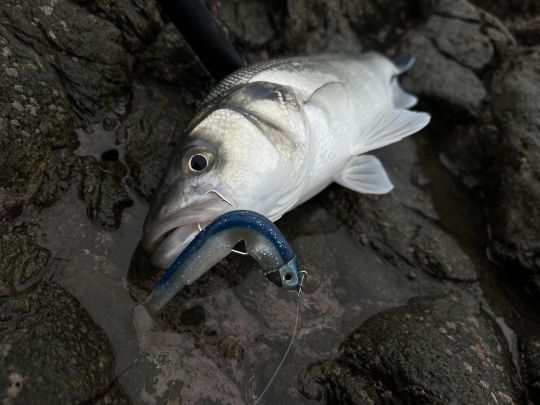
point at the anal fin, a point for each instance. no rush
(365, 174)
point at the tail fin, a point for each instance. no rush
(400, 98)
(405, 63)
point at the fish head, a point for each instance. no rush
(189, 196)
(231, 159)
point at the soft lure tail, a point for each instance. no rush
(263, 240)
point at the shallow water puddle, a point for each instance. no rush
(94, 269)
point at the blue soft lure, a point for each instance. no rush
(263, 240)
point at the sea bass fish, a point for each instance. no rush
(272, 135)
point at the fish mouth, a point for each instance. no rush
(166, 238)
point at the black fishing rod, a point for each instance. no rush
(206, 39)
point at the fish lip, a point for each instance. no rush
(159, 234)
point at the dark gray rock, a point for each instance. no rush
(138, 21)
(169, 59)
(104, 192)
(51, 351)
(531, 365)
(462, 40)
(172, 82)
(22, 260)
(337, 384)
(430, 351)
(263, 28)
(155, 122)
(249, 21)
(456, 9)
(56, 177)
(60, 33)
(114, 396)
(441, 79)
(456, 41)
(527, 32)
(514, 188)
(508, 8)
(11, 204)
(51, 73)
(35, 118)
(401, 235)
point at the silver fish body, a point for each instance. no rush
(272, 135)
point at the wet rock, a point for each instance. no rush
(162, 103)
(193, 316)
(527, 32)
(50, 349)
(514, 189)
(401, 235)
(22, 260)
(250, 21)
(456, 41)
(137, 21)
(509, 8)
(471, 150)
(338, 385)
(104, 192)
(456, 9)
(56, 178)
(114, 396)
(60, 34)
(430, 351)
(442, 80)
(155, 122)
(309, 26)
(531, 360)
(410, 179)
(35, 118)
(463, 41)
(11, 204)
(171, 60)
(42, 85)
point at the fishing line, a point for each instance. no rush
(288, 348)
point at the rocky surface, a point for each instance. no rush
(514, 191)
(51, 351)
(431, 350)
(531, 352)
(94, 95)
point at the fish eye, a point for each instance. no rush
(198, 163)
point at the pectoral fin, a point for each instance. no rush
(365, 174)
(389, 126)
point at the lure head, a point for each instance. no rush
(287, 276)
